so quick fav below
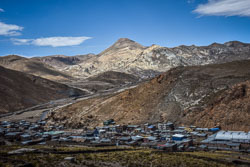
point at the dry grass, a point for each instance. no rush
(140, 157)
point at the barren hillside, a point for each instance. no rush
(199, 95)
(114, 77)
(61, 61)
(32, 66)
(19, 90)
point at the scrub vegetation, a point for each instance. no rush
(116, 156)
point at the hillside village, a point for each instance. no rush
(163, 136)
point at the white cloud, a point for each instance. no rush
(17, 41)
(224, 8)
(1, 10)
(51, 41)
(59, 41)
(10, 29)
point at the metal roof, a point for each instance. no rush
(133, 126)
(178, 135)
(201, 129)
(53, 132)
(232, 135)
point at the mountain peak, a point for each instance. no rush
(234, 44)
(215, 44)
(125, 42)
(125, 39)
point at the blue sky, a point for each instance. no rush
(70, 27)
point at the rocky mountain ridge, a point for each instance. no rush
(130, 57)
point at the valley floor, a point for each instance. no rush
(116, 157)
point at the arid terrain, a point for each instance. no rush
(128, 56)
(124, 83)
(19, 90)
(194, 85)
(207, 95)
(33, 67)
(130, 105)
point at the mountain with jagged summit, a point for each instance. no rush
(114, 58)
(130, 57)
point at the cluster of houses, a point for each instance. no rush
(25, 133)
(163, 136)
